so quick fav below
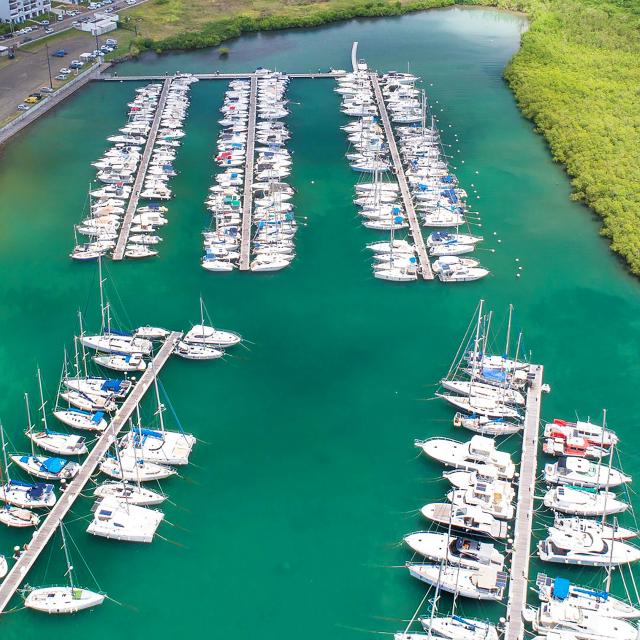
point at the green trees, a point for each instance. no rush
(577, 77)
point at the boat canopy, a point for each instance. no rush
(97, 417)
(38, 489)
(561, 588)
(112, 384)
(53, 465)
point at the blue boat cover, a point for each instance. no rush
(440, 235)
(494, 374)
(53, 465)
(112, 384)
(561, 588)
(97, 417)
(464, 621)
(38, 489)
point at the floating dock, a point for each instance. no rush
(519, 576)
(118, 252)
(247, 198)
(217, 76)
(43, 534)
(414, 225)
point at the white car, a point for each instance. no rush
(64, 71)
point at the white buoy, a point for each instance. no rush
(517, 259)
(499, 241)
(517, 275)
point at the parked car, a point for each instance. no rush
(131, 1)
(60, 18)
(45, 23)
(62, 76)
(108, 10)
(76, 23)
(46, 89)
(65, 71)
(110, 42)
(25, 40)
(31, 100)
(48, 30)
(60, 53)
(23, 107)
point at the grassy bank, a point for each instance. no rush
(576, 76)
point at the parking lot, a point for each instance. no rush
(28, 72)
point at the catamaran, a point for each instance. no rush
(118, 520)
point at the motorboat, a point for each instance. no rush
(573, 446)
(585, 548)
(583, 501)
(471, 519)
(462, 552)
(594, 527)
(486, 583)
(495, 498)
(476, 455)
(579, 472)
(593, 433)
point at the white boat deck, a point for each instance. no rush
(118, 252)
(43, 534)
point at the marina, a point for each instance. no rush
(44, 533)
(247, 201)
(123, 237)
(337, 374)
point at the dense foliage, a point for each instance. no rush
(576, 76)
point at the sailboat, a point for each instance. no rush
(63, 599)
(110, 340)
(157, 445)
(62, 444)
(24, 494)
(202, 334)
(128, 466)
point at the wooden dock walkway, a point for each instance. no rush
(519, 576)
(414, 225)
(247, 198)
(43, 534)
(118, 252)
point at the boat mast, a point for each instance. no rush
(485, 338)
(6, 466)
(160, 407)
(42, 402)
(66, 557)
(611, 452)
(100, 283)
(610, 565)
(515, 357)
(476, 345)
(29, 425)
(201, 317)
(506, 347)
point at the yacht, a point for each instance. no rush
(197, 351)
(205, 335)
(579, 472)
(495, 498)
(487, 583)
(584, 548)
(594, 527)
(79, 419)
(481, 389)
(594, 434)
(121, 362)
(68, 599)
(482, 406)
(583, 502)
(471, 519)
(475, 455)
(463, 552)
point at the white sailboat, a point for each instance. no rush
(63, 599)
(206, 335)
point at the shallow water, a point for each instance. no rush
(288, 521)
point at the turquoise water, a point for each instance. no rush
(289, 520)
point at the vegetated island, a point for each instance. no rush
(576, 76)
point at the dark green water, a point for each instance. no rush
(289, 519)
